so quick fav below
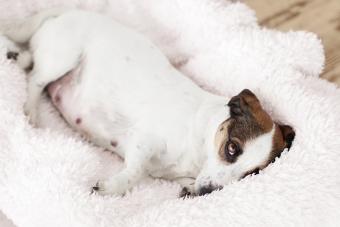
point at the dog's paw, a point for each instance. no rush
(23, 59)
(186, 193)
(107, 188)
(12, 55)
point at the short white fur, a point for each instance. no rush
(129, 92)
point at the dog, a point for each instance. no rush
(117, 88)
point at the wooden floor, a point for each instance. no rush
(319, 16)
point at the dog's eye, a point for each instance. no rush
(232, 151)
(232, 148)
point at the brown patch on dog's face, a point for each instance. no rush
(247, 121)
(245, 143)
(246, 107)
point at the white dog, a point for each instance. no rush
(117, 88)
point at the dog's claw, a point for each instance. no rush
(12, 55)
(106, 188)
(95, 188)
(186, 193)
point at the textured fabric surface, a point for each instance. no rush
(46, 174)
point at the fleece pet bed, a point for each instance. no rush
(46, 174)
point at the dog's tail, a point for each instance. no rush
(21, 31)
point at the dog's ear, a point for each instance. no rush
(235, 106)
(240, 103)
(288, 135)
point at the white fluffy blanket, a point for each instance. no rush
(46, 174)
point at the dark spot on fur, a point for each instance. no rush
(78, 121)
(114, 143)
(57, 99)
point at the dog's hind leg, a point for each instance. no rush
(123, 181)
(49, 65)
(137, 157)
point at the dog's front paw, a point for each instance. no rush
(186, 192)
(108, 188)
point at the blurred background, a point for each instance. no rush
(319, 16)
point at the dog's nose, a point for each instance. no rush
(208, 189)
(205, 190)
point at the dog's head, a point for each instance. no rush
(244, 144)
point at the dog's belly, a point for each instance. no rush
(61, 90)
(127, 86)
(62, 93)
(67, 95)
